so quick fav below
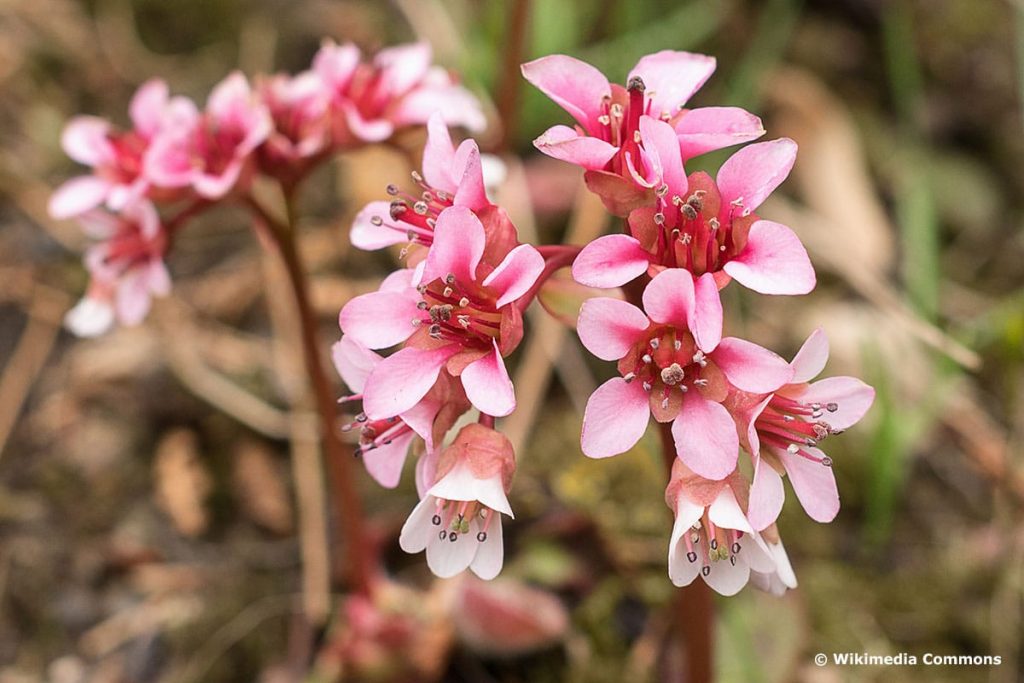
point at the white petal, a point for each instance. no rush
(490, 554)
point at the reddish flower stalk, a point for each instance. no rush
(346, 501)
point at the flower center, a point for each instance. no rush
(414, 216)
(375, 433)
(453, 518)
(794, 426)
(669, 364)
(712, 543)
(459, 312)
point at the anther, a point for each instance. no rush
(662, 190)
(714, 224)
(636, 83)
(714, 544)
(677, 345)
(604, 119)
(832, 407)
(482, 536)
(416, 176)
(655, 343)
(691, 556)
(826, 461)
(448, 291)
(397, 209)
(700, 382)
(436, 520)
(735, 547)
(732, 560)
(689, 212)
(629, 377)
(450, 278)
(705, 571)
(377, 220)
(453, 537)
(463, 302)
(422, 305)
(659, 218)
(695, 201)
(646, 358)
(793, 449)
(443, 534)
(392, 190)
(420, 208)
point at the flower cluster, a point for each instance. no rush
(687, 237)
(177, 159)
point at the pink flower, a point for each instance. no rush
(706, 226)
(458, 521)
(713, 538)
(399, 88)
(784, 429)
(212, 152)
(674, 366)
(115, 156)
(606, 139)
(451, 177)
(384, 444)
(457, 315)
(126, 269)
(298, 107)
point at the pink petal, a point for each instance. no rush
(610, 327)
(457, 106)
(354, 362)
(471, 191)
(385, 462)
(669, 298)
(488, 386)
(766, 496)
(335, 64)
(671, 77)
(750, 367)
(575, 86)
(85, 140)
(750, 175)
(659, 138)
(147, 107)
(405, 65)
(380, 319)
(402, 379)
(169, 161)
(370, 237)
(705, 437)
(516, 273)
(616, 417)
(610, 261)
(132, 301)
(367, 130)
(459, 242)
(217, 185)
(810, 360)
(565, 144)
(709, 128)
(852, 397)
(706, 318)
(753, 444)
(814, 484)
(773, 261)
(77, 196)
(439, 156)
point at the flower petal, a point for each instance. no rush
(490, 554)
(669, 298)
(451, 555)
(705, 319)
(147, 107)
(852, 397)
(813, 482)
(671, 77)
(661, 141)
(565, 144)
(402, 379)
(488, 386)
(385, 462)
(725, 512)
(516, 273)
(439, 156)
(471, 191)
(418, 529)
(610, 261)
(90, 317)
(353, 361)
(84, 139)
(750, 367)
(705, 437)
(681, 570)
(610, 327)
(380, 319)
(370, 235)
(766, 495)
(750, 175)
(616, 417)
(575, 86)
(810, 360)
(78, 195)
(773, 261)
(709, 128)
(459, 241)
(462, 484)
(727, 576)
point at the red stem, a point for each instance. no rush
(348, 507)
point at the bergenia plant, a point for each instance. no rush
(429, 350)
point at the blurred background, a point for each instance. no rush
(149, 524)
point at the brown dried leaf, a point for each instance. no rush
(181, 481)
(259, 487)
